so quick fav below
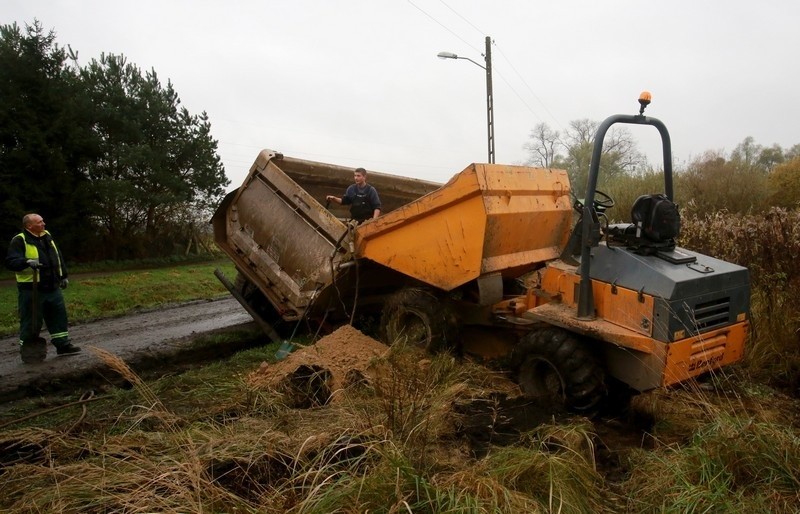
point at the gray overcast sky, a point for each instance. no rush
(357, 82)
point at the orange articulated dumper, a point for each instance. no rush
(500, 262)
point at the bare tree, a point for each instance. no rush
(572, 151)
(543, 146)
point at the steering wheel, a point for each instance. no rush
(604, 201)
(601, 202)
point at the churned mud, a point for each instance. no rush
(316, 375)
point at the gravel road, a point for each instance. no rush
(137, 337)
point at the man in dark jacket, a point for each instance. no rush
(362, 198)
(41, 275)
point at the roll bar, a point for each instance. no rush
(590, 230)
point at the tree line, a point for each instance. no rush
(104, 152)
(750, 180)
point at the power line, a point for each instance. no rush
(535, 114)
(443, 26)
(236, 156)
(507, 60)
(482, 33)
(529, 89)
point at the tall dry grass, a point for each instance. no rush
(388, 446)
(206, 441)
(717, 451)
(145, 460)
(768, 245)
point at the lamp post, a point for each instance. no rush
(489, 96)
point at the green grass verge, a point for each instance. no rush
(100, 295)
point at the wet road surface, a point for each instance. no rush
(137, 337)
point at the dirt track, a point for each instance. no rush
(140, 337)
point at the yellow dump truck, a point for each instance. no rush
(501, 261)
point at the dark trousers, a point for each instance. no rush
(50, 308)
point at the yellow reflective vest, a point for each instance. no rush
(32, 252)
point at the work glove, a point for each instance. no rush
(34, 263)
(64, 283)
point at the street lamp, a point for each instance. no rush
(489, 97)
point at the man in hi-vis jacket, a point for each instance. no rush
(38, 263)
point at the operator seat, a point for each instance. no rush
(656, 223)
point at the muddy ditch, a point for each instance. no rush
(318, 375)
(314, 376)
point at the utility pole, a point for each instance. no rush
(489, 95)
(489, 99)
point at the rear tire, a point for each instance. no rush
(418, 317)
(554, 364)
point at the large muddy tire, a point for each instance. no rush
(419, 318)
(259, 303)
(553, 364)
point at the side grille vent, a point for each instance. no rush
(708, 315)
